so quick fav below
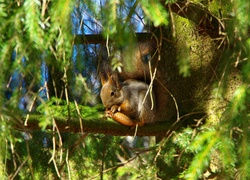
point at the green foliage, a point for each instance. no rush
(40, 31)
(220, 8)
(202, 146)
(60, 109)
(117, 18)
(183, 139)
(230, 138)
(32, 21)
(31, 32)
(155, 12)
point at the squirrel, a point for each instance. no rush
(127, 102)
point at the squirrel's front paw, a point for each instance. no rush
(109, 114)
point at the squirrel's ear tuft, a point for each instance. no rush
(103, 77)
(105, 74)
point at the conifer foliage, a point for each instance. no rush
(47, 75)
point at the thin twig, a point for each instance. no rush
(78, 112)
(172, 20)
(175, 102)
(18, 169)
(67, 162)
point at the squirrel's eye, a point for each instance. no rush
(146, 58)
(112, 93)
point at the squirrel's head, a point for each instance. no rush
(111, 93)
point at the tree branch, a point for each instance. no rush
(102, 126)
(99, 39)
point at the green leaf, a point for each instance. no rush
(203, 145)
(32, 20)
(155, 11)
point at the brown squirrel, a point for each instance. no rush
(127, 102)
(123, 99)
